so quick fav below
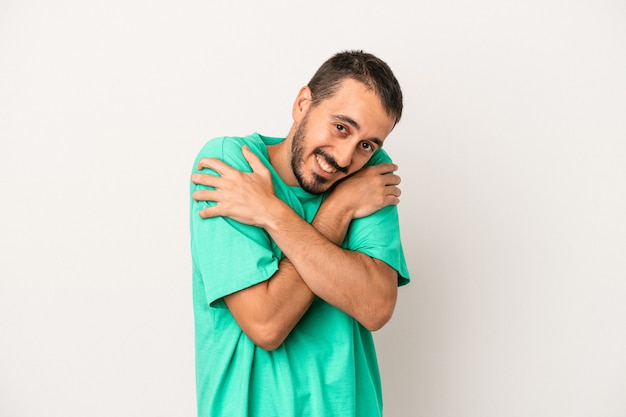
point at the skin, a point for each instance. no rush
(331, 140)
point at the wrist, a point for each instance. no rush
(332, 219)
(337, 207)
(276, 216)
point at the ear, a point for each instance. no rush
(301, 104)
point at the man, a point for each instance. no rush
(296, 252)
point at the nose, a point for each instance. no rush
(343, 154)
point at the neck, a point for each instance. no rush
(280, 158)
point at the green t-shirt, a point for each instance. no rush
(327, 365)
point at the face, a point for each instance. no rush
(336, 137)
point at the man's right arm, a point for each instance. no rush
(268, 311)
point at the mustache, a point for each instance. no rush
(330, 161)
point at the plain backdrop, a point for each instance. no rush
(512, 151)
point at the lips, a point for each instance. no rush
(325, 166)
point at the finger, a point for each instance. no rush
(206, 179)
(392, 200)
(255, 162)
(386, 168)
(392, 179)
(205, 195)
(393, 190)
(386, 179)
(215, 164)
(209, 212)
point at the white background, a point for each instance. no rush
(512, 150)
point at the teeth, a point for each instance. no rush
(322, 163)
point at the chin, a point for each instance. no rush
(316, 186)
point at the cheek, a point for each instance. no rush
(358, 162)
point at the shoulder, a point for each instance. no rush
(228, 149)
(227, 145)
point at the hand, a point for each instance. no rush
(368, 190)
(239, 195)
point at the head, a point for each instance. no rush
(341, 117)
(363, 67)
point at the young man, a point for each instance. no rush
(297, 254)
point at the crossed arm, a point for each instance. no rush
(315, 264)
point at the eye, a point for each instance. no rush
(367, 147)
(341, 128)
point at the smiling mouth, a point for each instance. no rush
(326, 167)
(328, 164)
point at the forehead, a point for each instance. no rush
(360, 103)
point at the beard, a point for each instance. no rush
(318, 184)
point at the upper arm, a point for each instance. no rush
(229, 255)
(378, 236)
(237, 261)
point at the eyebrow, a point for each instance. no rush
(355, 125)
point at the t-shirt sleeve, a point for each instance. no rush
(229, 255)
(378, 235)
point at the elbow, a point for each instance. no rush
(269, 345)
(381, 313)
(379, 310)
(376, 321)
(268, 337)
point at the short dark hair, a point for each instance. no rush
(363, 67)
